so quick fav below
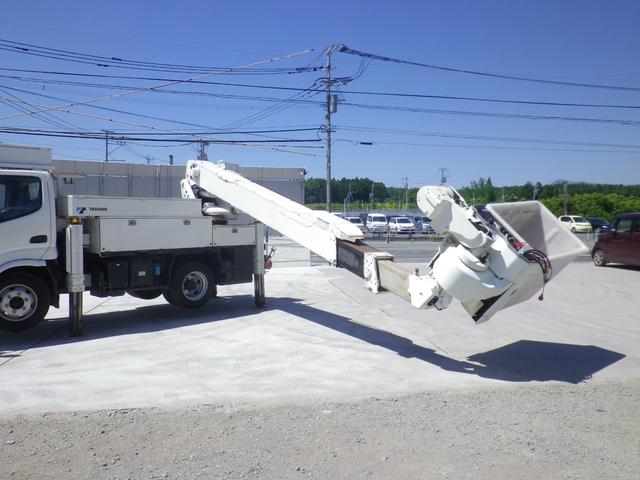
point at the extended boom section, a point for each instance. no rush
(316, 230)
(490, 258)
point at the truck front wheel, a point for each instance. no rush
(24, 301)
(191, 285)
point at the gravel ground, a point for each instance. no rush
(551, 431)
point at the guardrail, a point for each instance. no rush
(394, 236)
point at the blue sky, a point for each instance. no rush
(570, 41)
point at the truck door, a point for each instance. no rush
(25, 219)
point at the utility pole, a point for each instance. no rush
(347, 200)
(106, 145)
(202, 150)
(405, 180)
(444, 175)
(332, 101)
(371, 195)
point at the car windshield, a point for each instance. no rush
(355, 220)
(403, 220)
(378, 218)
(580, 220)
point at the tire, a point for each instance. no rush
(599, 258)
(145, 294)
(24, 301)
(191, 286)
(573, 229)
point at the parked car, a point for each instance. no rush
(575, 223)
(357, 221)
(621, 244)
(401, 225)
(376, 223)
(423, 224)
(599, 224)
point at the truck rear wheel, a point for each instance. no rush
(24, 301)
(191, 286)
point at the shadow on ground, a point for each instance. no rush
(521, 361)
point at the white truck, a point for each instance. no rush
(183, 248)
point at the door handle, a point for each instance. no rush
(38, 239)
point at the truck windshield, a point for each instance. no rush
(378, 218)
(20, 195)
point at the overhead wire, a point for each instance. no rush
(307, 101)
(489, 147)
(351, 51)
(197, 125)
(118, 62)
(483, 137)
(352, 92)
(174, 82)
(101, 136)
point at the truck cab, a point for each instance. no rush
(28, 244)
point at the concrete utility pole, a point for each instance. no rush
(371, 195)
(106, 145)
(202, 150)
(444, 175)
(332, 103)
(405, 181)
(347, 200)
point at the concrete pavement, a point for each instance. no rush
(322, 336)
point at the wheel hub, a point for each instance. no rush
(17, 302)
(195, 286)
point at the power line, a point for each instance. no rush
(481, 137)
(493, 114)
(117, 62)
(167, 84)
(299, 99)
(352, 92)
(351, 51)
(100, 136)
(491, 147)
(178, 122)
(47, 118)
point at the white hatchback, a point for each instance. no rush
(575, 224)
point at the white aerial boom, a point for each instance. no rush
(490, 258)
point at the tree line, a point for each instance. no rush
(587, 199)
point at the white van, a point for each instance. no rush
(376, 223)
